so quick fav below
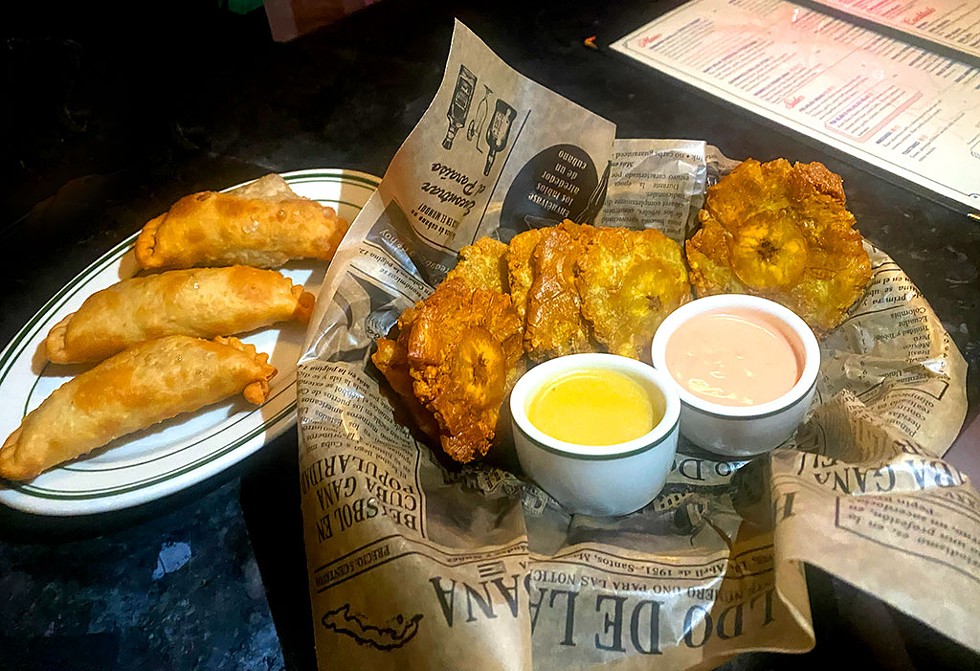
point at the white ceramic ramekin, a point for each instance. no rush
(605, 480)
(743, 431)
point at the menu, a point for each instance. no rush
(888, 102)
(951, 23)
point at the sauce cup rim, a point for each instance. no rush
(533, 379)
(719, 303)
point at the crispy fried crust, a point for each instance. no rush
(201, 302)
(629, 282)
(553, 323)
(781, 232)
(391, 358)
(461, 350)
(520, 274)
(483, 265)
(222, 229)
(145, 384)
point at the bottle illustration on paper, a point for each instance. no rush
(475, 129)
(498, 131)
(459, 106)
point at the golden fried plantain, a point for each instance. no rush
(769, 251)
(483, 264)
(391, 358)
(629, 280)
(553, 321)
(462, 352)
(783, 232)
(519, 271)
(459, 352)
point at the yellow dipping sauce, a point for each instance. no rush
(594, 407)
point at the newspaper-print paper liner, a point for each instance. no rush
(418, 563)
(865, 496)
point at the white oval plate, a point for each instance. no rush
(183, 451)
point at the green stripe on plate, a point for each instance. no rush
(188, 446)
(15, 349)
(57, 300)
(57, 495)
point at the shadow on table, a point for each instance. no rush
(171, 584)
(270, 502)
(18, 527)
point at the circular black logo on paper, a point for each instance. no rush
(559, 183)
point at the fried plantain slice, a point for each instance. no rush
(464, 354)
(391, 358)
(553, 322)
(769, 252)
(519, 271)
(783, 232)
(629, 280)
(483, 264)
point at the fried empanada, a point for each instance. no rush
(137, 388)
(261, 225)
(201, 302)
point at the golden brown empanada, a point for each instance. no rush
(202, 302)
(263, 225)
(145, 384)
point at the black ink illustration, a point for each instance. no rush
(475, 129)
(459, 106)
(560, 182)
(596, 199)
(379, 638)
(498, 131)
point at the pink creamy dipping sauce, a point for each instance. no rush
(734, 357)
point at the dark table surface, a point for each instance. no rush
(112, 111)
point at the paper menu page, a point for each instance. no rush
(951, 23)
(894, 105)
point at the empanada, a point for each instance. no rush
(145, 384)
(256, 226)
(202, 302)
